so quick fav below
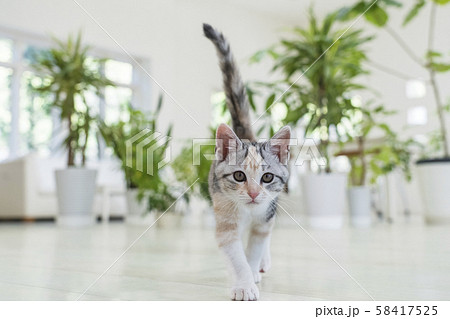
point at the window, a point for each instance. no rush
(35, 122)
(119, 72)
(5, 114)
(417, 115)
(5, 50)
(415, 89)
(27, 121)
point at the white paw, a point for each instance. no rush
(257, 276)
(245, 292)
(265, 264)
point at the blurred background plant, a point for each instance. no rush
(318, 65)
(370, 159)
(432, 61)
(68, 77)
(391, 155)
(153, 188)
(183, 165)
(186, 172)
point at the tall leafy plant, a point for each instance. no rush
(152, 187)
(319, 66)
(69, 76)
(432, 61)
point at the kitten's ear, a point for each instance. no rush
(226, 141)
(279, 144)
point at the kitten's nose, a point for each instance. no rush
(253, 195)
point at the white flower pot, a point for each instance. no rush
(75, 192)
(325, 199)
(137, 210)
(359, 206)
(434, 179)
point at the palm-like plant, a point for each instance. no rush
(319, 66)
(68, 77)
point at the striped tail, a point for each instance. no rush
(235, 91)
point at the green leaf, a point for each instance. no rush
(343, 13)
(377, 16)
(348, 13)
(258, 56)
(414, 11)
(441, 2)
(272, 131)
(440, 67)
(159, 104)
(270, 101)
(250, 94)
(385, 128)
(393, 3)
(433, 54)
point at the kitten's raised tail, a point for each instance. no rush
(232, 84)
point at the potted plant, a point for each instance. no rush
(434, 167)
(147, 188)
(319, 66)
(68, 77)
(371, 159)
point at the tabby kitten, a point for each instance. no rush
(244, 181)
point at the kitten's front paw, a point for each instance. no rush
(265, 263)
(257, 276)
(245, 292)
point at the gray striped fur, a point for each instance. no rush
(233, 86)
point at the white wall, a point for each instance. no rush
(168, 33)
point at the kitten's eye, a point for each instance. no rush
(267, 177)
(239, 176)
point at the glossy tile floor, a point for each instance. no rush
(177, 259)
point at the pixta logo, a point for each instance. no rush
(147, 151)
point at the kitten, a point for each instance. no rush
(244, 181)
